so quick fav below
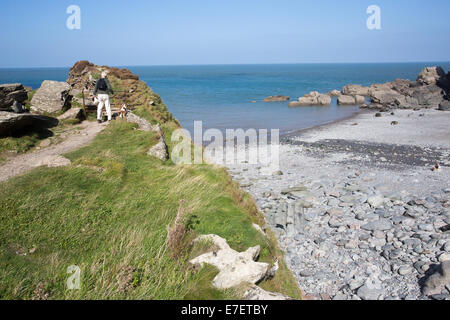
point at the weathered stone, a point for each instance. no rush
(12, 122)
(235, 268)
(10, 93)
(346, 100)
(159, 150)
(51, 97)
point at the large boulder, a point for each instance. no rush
(431, 76)
(52, 97)
(12, 122)
(346, 100)
(11, 92)
(276, 99)
(355, 90)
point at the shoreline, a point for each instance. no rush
(357, 208)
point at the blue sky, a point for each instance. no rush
(173, 32)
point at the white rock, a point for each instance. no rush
(234, 267)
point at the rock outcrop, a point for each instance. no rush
(12, 122)
(235, 268)
(277, 99)
(159, 150)
(51, 97)
(128, 89)
(429, 90)
(9, 93)
(312, 99)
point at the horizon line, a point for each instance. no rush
(227, 64)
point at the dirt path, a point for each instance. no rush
(52, 155)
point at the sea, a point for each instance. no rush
(231, 96)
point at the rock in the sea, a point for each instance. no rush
(346, 100)
(437, 280)
(277, 99)
(51, 97)
(334, 93)
(355, 90)
(11, 122)
(159, 150)
(360, 99)
(235, 268)
(11, 92)
(312, 99)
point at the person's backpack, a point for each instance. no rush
(102, 86)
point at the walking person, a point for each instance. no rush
(102, 90)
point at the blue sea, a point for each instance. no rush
(221, 95)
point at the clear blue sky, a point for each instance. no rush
(143, 32)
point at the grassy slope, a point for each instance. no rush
(112, 224)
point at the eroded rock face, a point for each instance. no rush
(51, 97)
(234, 267)
(428, 91)
(9, 93)
(12, 122)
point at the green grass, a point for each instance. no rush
(108, 212)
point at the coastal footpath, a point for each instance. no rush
(361, 206)
(99, 211)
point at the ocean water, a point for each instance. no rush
(221, 95)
